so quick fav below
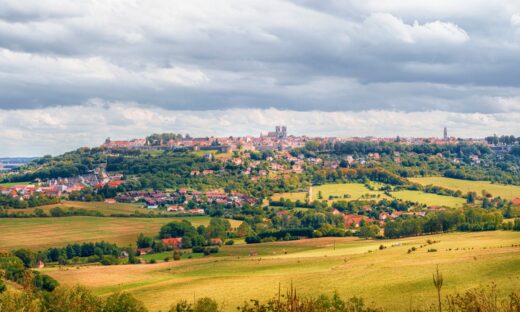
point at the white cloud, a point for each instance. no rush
(515, 20)
(380, 26)
(59, 129)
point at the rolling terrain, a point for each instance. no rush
(391, 277)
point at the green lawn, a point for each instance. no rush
(391, 277)
(353, 190)
(504, 191)
(429, 199)
(14, 183)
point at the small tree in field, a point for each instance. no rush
(438, 280)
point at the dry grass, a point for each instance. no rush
(391, 277)
(39, 233)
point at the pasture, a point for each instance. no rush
(429, 199)
(465, 186)
(40, 233)
(343, 191)
(391, 278)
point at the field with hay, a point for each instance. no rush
(392, 277)
(39, 233)
(102, 207)
(504, 191)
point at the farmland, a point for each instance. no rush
(343, 191)
(356, 191)
(392, 277)
(504, 191)
(39, 233)
(429, 199)
(102, 207)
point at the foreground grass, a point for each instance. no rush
(39, 233)
(504, 191)
(391, 277)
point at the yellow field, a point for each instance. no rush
(391, 277)
(504, 191)
(429, 199)
(39, 233)
(104, 208)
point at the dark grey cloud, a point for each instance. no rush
(298, 55)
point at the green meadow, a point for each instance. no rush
(504, 191)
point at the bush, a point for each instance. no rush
(252, 239)
(109, 260)
(176, 256)
(44, 282)
(167, 259)
(230, 242)
(152, 261)
(432, 250)
(123, 302)
(205, 305)
(2, 286)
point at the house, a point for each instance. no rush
(516, 201)
(354, 220)
(40, 264)
(215, 241)
(175, 208)
(384, 215)
(110, 201)
(174, 242)
(197, 211)
(144, 251)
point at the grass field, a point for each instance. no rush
(104, 208)
(39, 233)
(354, 190)
(14, 183)
(293, 196)
(504, 191)
(390, 277)
(429, 199)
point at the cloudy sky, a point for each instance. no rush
(75, 72)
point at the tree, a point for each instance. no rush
(26, 256)
(368, 231)
(144, 241)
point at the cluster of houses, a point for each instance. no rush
(62, 186)
(178, 200)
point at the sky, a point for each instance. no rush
(75, 72)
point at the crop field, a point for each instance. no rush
(429, 199)
(39, 233)
(391, 278)
(104, 208)
(504, 191)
